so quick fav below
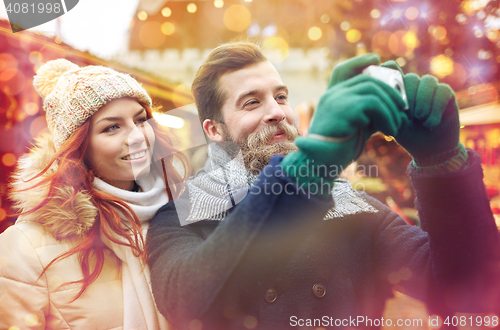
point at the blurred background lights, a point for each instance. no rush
(439, 32)
(411, 13)
(191, 8)
(461, 18)
(424, 14)
(493, 35)
(401, 61)
(31, 109)
(484, 54)
(9, 159)
(375, 13)
(344, 26)
(142, 15)
(269, 30)
(168, 120)
(168, 28)
(166, 12)
(218, 3)
(441, 66)
(314, 33)
(397, 13)
(325, 18)
(353, 35)
(237, 18)
(478, 33)
(253, 30)
(480, 15)
(276, 45)
(475, 72)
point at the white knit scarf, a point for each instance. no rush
(224, 181)
(139, 309)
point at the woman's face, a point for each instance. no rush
(121, 143)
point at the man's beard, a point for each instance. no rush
(257, 149)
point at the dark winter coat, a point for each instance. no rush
(274, 260)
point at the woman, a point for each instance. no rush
(74, 259)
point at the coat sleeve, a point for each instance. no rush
(192, 275)
(24, 297)
(453, 261)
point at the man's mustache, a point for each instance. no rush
(264, 136)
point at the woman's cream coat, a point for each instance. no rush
(29, 300)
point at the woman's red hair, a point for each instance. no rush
(114, 217)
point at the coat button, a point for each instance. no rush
(271, 296)
(319, 290)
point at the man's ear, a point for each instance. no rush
(213, 130)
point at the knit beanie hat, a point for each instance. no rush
(71, 94)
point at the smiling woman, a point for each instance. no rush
(86, 193)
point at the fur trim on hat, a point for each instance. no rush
(61, 219)
(47, 76)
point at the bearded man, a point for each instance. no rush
(282, 242)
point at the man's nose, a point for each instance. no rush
(136, 135)
(274, 113)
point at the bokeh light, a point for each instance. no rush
(353, 35)
(3, 215)
(35, 57)
(411, 13)
(237, 18)
(325, 18)
(397, 13)
(31, 109)
(478, 33)
(375, 13)
(142, 15)
(250, 322)
(314, 33)
(151, 35)
(9, 159)
(461, 18)
(441, 66)
(401, 61)
(439, 33)
(493, 35)
(344, 26)
(276, 44)
(191, 8)
(168, 28)
(218, 3)
(166, 12)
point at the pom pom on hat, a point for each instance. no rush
(47, 76)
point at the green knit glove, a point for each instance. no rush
(348, 113)
(431, 135)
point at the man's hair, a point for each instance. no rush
(228, 57)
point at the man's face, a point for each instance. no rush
(257, 115)
(256, 99)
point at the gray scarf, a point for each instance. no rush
(224, 181)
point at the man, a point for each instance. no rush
(288, 254)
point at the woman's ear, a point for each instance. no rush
(213, 130)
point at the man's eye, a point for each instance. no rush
(282, 97)
(252, 102)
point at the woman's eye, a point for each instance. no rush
(141, 121)
(111, 128)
